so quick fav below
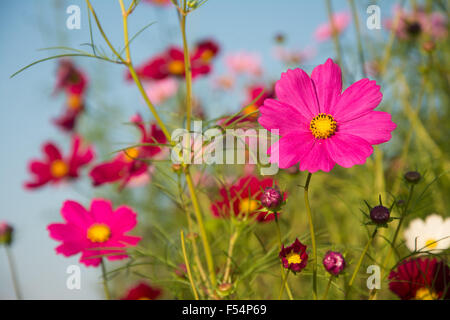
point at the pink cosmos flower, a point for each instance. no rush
(129, 165)
(340, 21)
(408, 25)
(319, 124)
(244, 63)
(55, 167)
(161, 90)
(160, 3)
(99, 231)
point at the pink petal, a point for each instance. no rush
(88, 260)
(357, 100)
(347, 150)
(69, 248)
(291, 148)
(101, 210)
(66, 232)
(328, 80)
(317, 158)
(297, 89)
(374, 127)
(52, 151)
(278, 115)
(129, 240)
(76, 214)
(123, 220)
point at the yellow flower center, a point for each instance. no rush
(59, 168)
(248, 205)
(74, 101)
(426, 294)
(323, 126)
(98, 232)
(293, 258)
(431, 244)
(250, 111)
(176, 67)
(131, 154)
(207, 55)
(144, 298)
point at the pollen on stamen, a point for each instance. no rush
(323, 126)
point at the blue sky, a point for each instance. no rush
(27, 105)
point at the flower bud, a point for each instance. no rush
(412, 177)
(224, 289)
(272, 199)
(334, 262)
(380, 214)
(6, 233)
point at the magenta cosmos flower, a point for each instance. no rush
(99, 231)
(55, 167)
(319, 124)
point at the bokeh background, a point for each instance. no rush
(27, 104)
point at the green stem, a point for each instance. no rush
(358, 37)
(325, 295)
(188, 267)
(283, 275)
(201, 226)
(361, 258)
(105, 281)
(283, 285)
(334, 32)
(188, 73)
(12, 268)
(312, 234)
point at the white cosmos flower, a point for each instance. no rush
(432, 235)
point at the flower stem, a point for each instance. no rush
(361, 258)
(195, 204)
(188, 73)
(203, 235)
(188, 268)
(325, 295)
(312, 234)
(334, 32)
(231, 245)
(105, 281)
(283, 285)
(283, 275)
(12, 268)
(358, 37)
(133, 73)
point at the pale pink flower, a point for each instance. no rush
(244, 63)
(340, 22)
(160, 90)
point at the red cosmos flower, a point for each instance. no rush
(243, 199)
(55, 167)
(421, 279)
(294, 257)
(70, 79)
(142, 291)
(171, 62)
(128, 164)
(205, 51)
